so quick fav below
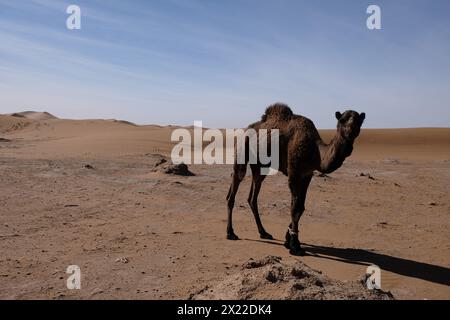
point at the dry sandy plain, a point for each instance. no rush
(138, 234)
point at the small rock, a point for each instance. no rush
(366, 175)
(167, 167)
(178, 169)
(160, 162)
(251, 264)
(318, 283)
(299, 273)
(96, 291)
(298, 286)
(274, 275)
(122, 260)
(322, 175)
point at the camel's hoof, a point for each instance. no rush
(232, 236)
(297, 251)
(266, 235)
(294, 246)
(287, 243)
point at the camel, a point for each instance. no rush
(302, 151)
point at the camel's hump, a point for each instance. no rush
(279, 111)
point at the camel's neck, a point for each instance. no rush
(333, 155)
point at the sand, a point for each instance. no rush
(271, 278)
(85, 192)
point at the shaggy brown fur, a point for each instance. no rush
(277, 111)
(301, 152)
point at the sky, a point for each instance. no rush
(223, 62)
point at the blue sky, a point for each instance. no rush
(223, 62)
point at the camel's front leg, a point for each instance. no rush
(299, 188)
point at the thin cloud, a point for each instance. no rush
(177, 61)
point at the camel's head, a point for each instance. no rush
(349, 123)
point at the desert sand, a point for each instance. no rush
(84, 192)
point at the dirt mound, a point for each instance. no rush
(177, 169)
(269, 278)
(164, 165)
(34, 115)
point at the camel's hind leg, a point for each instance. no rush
(253, 199)
(239, 171)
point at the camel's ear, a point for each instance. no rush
(338, 115)
(362, 116)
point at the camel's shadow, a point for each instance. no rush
(404, 267)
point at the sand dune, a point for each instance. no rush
(33, 115)
(93, 199)
(9, 124)
(107, 137)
